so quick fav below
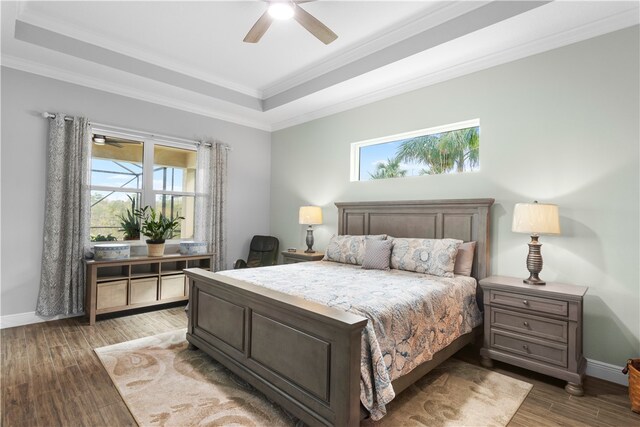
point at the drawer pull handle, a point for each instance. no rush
(525, 302)
(526, 347)
(525, 323)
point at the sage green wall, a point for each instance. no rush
(560, 127)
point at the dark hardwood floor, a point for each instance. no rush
(51, 377)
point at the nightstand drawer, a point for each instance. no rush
(529, 324)
(529, 347)
(526, 302)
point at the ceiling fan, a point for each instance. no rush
(108, 140)
(102, 140)
(280, 9)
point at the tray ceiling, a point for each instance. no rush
(190, 55)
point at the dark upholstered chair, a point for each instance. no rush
(263, 251)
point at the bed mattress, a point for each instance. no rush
(411, 316)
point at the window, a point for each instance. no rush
(174, 184)
(127, 174)
(451, 148)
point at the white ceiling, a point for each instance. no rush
(190, 55)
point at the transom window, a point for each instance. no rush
(127, 174)
(452, 148)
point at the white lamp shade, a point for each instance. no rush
(310, 215)
(536, 218)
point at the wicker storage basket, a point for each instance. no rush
(633, 367)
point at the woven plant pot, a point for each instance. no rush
(633, 368)
(155, 249)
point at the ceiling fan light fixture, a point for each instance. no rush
(281, 10)
(285, 9)
(99, 139)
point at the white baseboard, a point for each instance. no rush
(11, 320)
(595, 368)
(606, 371)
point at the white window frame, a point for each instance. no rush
(356, 146)
(149, 142)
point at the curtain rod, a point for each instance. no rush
(48, 115)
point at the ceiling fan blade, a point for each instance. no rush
(115, 144)
(259, 28)
(315, 27)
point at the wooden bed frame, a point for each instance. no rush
(306, 356)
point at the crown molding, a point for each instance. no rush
(611, 23)
(427, 19)
(72, 47)
(420, 23)
(464, 25)
(602, 26)
(130, 92)
(74, 32)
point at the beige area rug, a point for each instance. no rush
(165, 384)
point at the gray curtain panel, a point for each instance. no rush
(211, 200)
(66, 218)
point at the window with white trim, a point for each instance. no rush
(452, 148)
(130, 173)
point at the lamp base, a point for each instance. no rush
(534, 281)
(310, 241)
(534, 262)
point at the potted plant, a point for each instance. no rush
(130, 222)
(103, 238)
(157, 228)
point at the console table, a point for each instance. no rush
(124, 284)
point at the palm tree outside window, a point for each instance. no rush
(453, 148)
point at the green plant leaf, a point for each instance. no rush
(155, 225)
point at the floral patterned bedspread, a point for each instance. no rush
(411, 315)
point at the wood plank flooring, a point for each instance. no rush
(548, 405)
(51, 377)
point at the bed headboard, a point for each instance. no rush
(464, 219)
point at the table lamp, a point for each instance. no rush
(535, 219)
(310, 215)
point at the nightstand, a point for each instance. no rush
(300, 256)
(537, 327)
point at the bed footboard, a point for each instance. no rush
(302, 355)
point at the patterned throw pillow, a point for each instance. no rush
(377, 254)
(430, 256)
(348, 249)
